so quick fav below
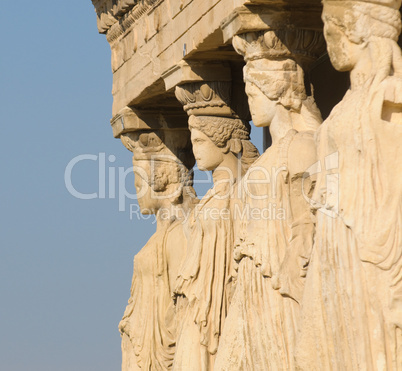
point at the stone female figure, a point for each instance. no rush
(352, 306)
(274, 245)
(220, 145)
(163, 188)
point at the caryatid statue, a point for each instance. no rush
(162, 160)
(275, 240)
(352, 305)
(221, 144)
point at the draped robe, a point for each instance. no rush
(274, 239)
(352, 305)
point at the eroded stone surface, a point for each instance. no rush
(273, 251)
(351, 308)
(292, 260)
(221, 144)
(161, 161)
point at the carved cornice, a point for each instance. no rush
(110, 11)
(116, 16)
(131, 17)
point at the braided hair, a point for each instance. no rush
(228, 132)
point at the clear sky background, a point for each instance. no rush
(65, 263)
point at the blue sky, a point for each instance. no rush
(65, 263)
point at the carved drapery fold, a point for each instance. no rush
(191, 50)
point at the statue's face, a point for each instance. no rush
(146, 197)
(342, 52)
(262, 108)
(206, 153)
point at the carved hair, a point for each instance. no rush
(162, 174)
(168, 152)
(277, 61)
(227, 132)
(278, 80)
(377, 26)
(362, 20)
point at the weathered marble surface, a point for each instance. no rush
(273, 251)
(220, 139)
(352, 307)
(293, 259)
(163, 185)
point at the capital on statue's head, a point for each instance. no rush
(212, 98)
(298, 44)
(394, 4)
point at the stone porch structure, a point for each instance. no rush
(159, 44)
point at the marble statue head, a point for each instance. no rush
(274, 74)
(215, 137)
(162, 163)
(350, 26)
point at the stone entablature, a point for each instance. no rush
(151, 37)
